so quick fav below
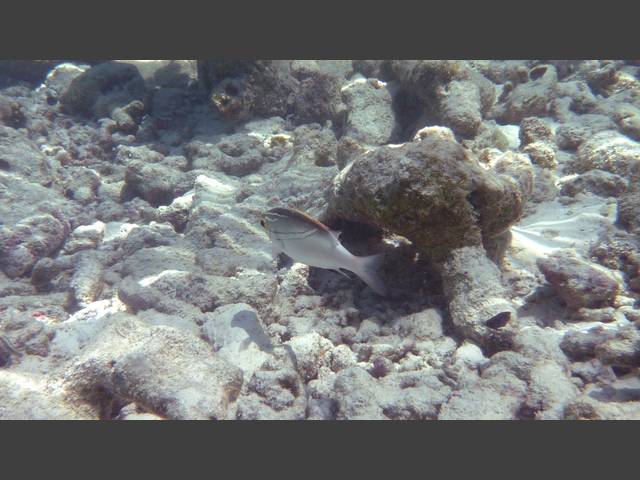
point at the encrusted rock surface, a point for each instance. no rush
(577, 283)
(429, 191)
(136, 281)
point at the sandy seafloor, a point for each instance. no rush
(137, 283)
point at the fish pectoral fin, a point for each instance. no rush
(337, 270)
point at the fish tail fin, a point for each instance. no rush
(367, 269)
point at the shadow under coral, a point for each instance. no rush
(411, 279)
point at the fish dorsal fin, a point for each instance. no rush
(300, 215)
(335, 234)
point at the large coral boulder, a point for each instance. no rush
(101, 89)
(430, 191)
(448, 92)
(240, 90)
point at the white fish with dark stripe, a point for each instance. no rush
(308, 241)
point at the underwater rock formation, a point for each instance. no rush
(478, 303)
(530, 99)
(242, 89)
(103, 88)
(611, 152)
(133, 264)
(367, 100)
(449, 91)
(430, 191)
(577, 283)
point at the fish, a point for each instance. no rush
(307, 240)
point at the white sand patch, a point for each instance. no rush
(22, 380)
(278, 140)
(262, 128)
(512, 132)
(566, 178)
(151, 279)
(118, 230)
(98, 309)
(213, 190)
(183, 201)
(559, 331)
(554, 226)
(357, 79)
(98, 227)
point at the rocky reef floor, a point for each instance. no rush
(137, 283)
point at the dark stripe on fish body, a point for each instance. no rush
(295, 235)
(299, 215)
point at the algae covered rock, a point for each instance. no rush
(314, 146)
(11, 113)
(541, 154)
(422, 76)
(430, 191)
(448, 90)
(460, 107)
(404, 396)
(609, 151)
(101, 89)
(581, 345)
(534, 129)
(433, 193)
(28, 241)
(477, 300)
(622, 350)
(578, 283)
(495, 398)
(598, 182)
(240, 155)
(627, 117)
(274, 394)
(530, 99)
(371, 119)
(156, 183)
(243, 89)
(573, 133)
(629, 210)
